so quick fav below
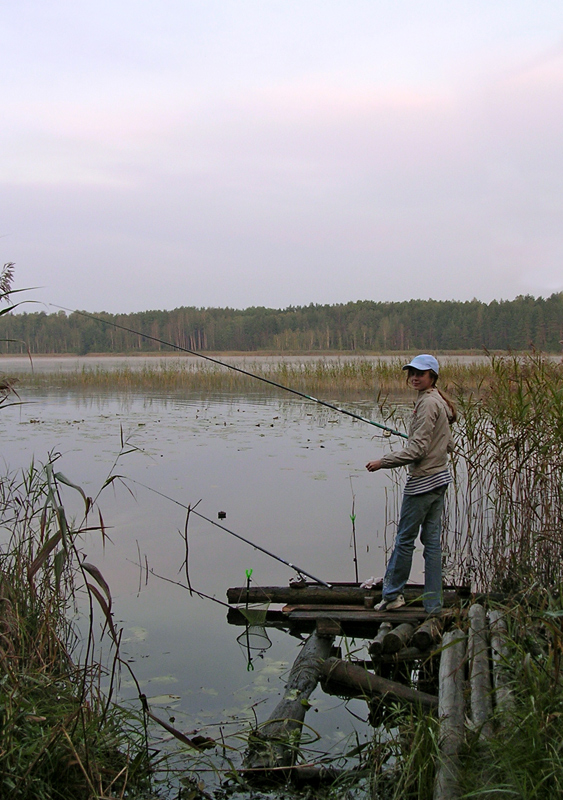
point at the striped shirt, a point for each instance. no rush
(427, 483)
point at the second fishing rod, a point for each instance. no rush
(262, 378)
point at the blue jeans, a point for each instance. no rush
(418, 512)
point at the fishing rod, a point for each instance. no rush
(232, 533)
(236, 369)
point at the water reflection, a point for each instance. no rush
(281, 469)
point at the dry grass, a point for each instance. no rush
(342, 377)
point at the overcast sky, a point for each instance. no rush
(281, 152)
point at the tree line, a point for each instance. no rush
(363, 326)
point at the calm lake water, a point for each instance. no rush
(283, 470)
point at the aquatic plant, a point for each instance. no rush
(505, 517)
(345, 378)
(60, 735)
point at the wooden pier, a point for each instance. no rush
(435, 663)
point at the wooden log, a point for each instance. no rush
(479, 672)
(427, 634)
(398, 637)
(404, 654)
(452, 715)
(275, 743)
(376, 647)
(345, 594)
(503, 695)
(344, 677)
(407, 654)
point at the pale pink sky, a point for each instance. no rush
(281, 152)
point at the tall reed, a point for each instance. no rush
(60, 735)
(358, 377)
(505, 521)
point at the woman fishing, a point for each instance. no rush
(426, 453)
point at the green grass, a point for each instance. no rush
(60, 735)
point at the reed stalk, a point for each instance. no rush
(60, 735)
(505, 518)
(342, 377)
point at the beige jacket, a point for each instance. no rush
(430, 439)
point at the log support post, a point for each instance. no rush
(276, 743)
(499, 632)
(451, 712)
(479, 671)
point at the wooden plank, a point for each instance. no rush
(360, 615)
(344, 677)
(275, 743)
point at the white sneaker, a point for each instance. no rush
(391, 605)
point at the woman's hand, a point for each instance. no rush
(373, 466)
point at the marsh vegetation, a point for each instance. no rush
(503, 534)
(347, 378)
(61, 736)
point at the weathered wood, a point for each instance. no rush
(479, 672)
(328, 627)
(398, 637)
(404, 654)
(451, 712)
(427, 634)
(376, 647)
(312, 594)
(344, 677)
(360, 615)
(503, 695)
(275, 743)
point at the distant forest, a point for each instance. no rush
(361, 326)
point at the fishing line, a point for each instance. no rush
(236, 369)
(232, 533)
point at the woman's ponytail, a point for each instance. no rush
(450, 403)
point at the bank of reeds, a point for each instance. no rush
(358, 377)
(60, 735)
(506, 519)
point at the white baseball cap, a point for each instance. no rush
(424, 362)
